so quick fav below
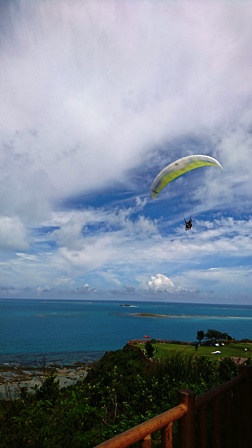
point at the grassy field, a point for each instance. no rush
(233, 349)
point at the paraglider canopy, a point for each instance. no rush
(179, 167)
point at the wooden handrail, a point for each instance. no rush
(185, 414)
(143, 430)
(230, 413)
(204, 398)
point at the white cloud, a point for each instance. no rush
(85, 96)
(13, 234)
(215, 280)
(160, 282)
(110, 277)
(84, 289)
(69, 234)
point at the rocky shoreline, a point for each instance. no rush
(14, 378)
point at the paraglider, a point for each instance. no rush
(179, 167)
(176, 169)
(188, 224)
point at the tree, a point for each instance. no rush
(217, 335)
(200, 335)
(149, 349)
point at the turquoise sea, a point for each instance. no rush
(69, 331)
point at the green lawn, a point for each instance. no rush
(232, 349)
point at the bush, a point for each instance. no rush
(121, 390)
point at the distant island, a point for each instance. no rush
(172, 316)
(152, 315)
(168, 316)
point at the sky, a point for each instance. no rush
(96, 97)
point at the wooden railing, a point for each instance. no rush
(219, 418)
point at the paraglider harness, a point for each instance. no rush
(188, 224)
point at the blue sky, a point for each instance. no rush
(96, 98)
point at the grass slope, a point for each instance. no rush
(232, 349)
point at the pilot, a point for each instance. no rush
(188, 224)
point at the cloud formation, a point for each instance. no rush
(160, 282)
(95, 99)
(79, 87)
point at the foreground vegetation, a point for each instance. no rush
(121, 390)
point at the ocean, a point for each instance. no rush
(64, 332)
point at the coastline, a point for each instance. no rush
(14, 378)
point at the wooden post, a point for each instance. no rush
(187, 422)
(146, 442)
(216, 423)
(166, 436)
(228, 420)
(247, 410)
